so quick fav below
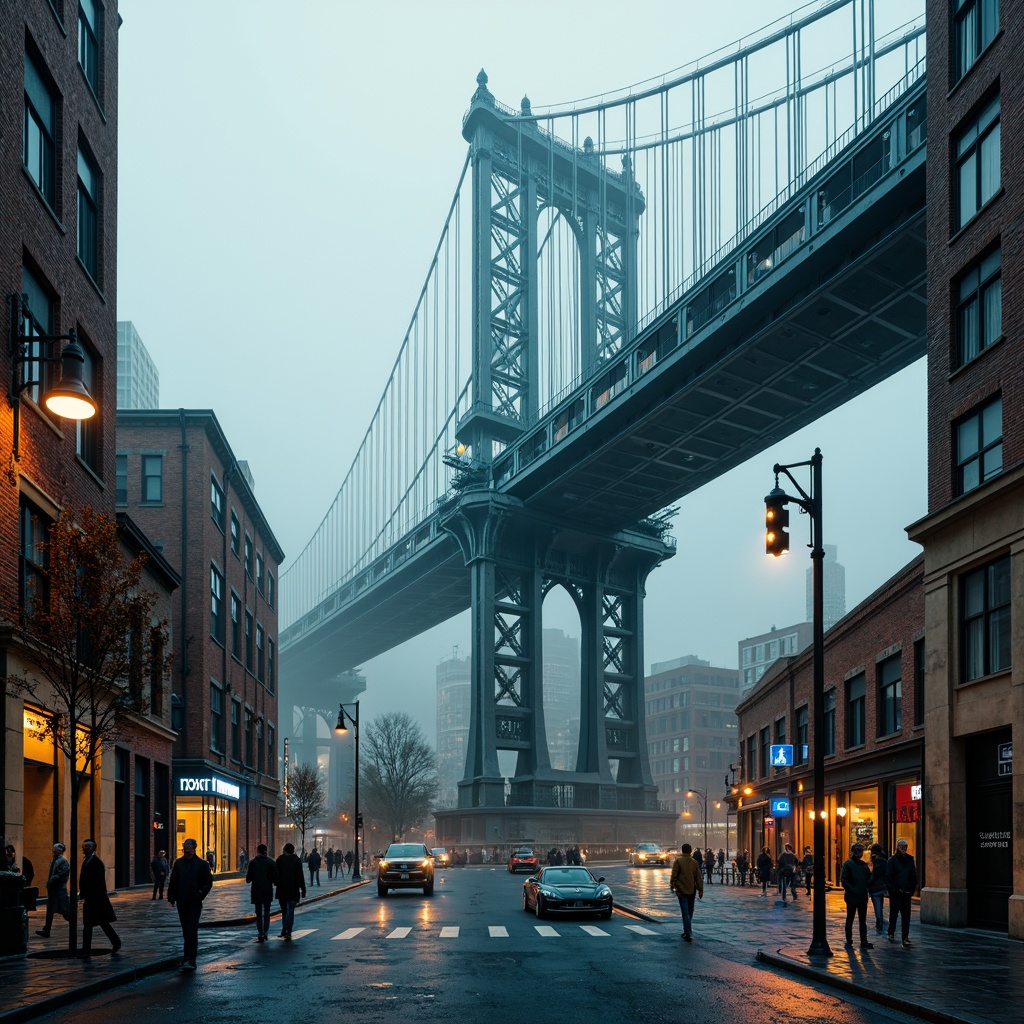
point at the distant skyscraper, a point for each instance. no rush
(452, 727)
(562, 698)
(138, 379)
(833, 588)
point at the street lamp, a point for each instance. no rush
(70, 397)
(342, 728)
(701, 795)
(776, 542)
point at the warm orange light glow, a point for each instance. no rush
(841, 811)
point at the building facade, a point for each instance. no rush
(973, 534)
(180, 480)
(58, 273)
(138, 379)
(756, 653)
(874, 735)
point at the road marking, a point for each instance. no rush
(450, 932)
(399, 933)
(348, 933)
(302, 932)
(497, 931)
(640, 930)
(547, 931)
(592, 929)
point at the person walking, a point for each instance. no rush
(709, 864)
(876, 885)
(190, 882)
(24, 868)
(807, 866)
(853, 877)
(787, 866)
(743, 865)
(687, 884)
(329, 861)
(211, 859)
(313, 863)
(901, 883)
(291, 887)
(96, 908)
(158, 868)
(261, 874)
(348, 861)
(764, 870)
(57, 901)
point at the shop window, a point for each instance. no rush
(890, 696)
(855, 711)
(985, 620)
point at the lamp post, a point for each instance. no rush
(341, 728)
(701, 795)
(776, 542)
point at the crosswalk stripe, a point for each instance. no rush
(450, 932)
(640, 929)
(592, 929)
(399, 933)
(349, 933)
(301, 932)
(497, 931)
(547, 931)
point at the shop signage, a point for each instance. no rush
(208, 785)
(769, 821)
(1004, 758)
(908, 803)
(781, 806)
(782, 755)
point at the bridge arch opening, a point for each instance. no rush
(560, 672)
(559, 298)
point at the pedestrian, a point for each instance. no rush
(787, 866)
(211, 859)
(901, 883)
(743, 865)
(687, 884)
(261, 874)
(243, 859)
(57, 901)
(807, 866)
(854, 879)
(24, 868)
(329, 861)
(96, 908)
(313, 863)
(709, 864)
(190, 882)
(699, 857)
(764, 870)
(348, 861)
(291, 887)
(876, 885)
(158, 868)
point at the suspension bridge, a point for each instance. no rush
(629, 296)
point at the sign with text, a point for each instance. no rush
(782, 755)
(208, 785)
(1004, 758)
(908, 803)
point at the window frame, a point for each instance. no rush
(972, 146)
(979, 324)
(216, 717)
(236, 730)
(149, 476)
(856, 710)
(802, 723)
(33, 556)
(890, 695)
(248, 639)
(829, 719)
(217, 606)
(121, 478)
(979, 456)
(88, 212)
(88, 433)
(217, 510)
(40, 165)
(235, 613)
(993, 613)
(247, 555)
(235, 534)
(982, 32)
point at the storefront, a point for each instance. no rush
(206, 810)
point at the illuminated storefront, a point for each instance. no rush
(206, 810)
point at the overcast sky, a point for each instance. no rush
(284, 172)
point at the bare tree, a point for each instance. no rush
(92, 640)
(398, 772)
(307, 798)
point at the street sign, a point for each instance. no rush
(782, 755)
(781, 806)
(768, 820)
(1004, 758)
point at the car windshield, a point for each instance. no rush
(649, 848)
(523, 853)
(568, 876)
(404, 850)
(439, 851)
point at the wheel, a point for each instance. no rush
(606, 915)
(526, 902)
(382, 890)
(539, 908)
(428, 888)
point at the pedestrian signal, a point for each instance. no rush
(776, 522)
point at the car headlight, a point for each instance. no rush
(426, 863)
(382, 863)
(604, 891)
(641, 856)
(551, 894)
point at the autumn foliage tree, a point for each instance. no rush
(92, 639)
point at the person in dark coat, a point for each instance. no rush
(291, 887)
(807, 866)
(764, 870)
(190, 882)
(158, 868)
(313, 863)
(348, 861)
(876, 885)
(96, 908)
(329, 861)
(56, 889)
(787, 865)
(261, 876)
(24, 868)
(743, 865)
(854, 879)
(709, 864)
(901, 882)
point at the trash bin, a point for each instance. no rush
(13, 917)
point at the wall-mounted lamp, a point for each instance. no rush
(69, 398)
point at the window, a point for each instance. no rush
(88, 432)
(260, 762)
(975, 24)
(216, 604)
(830, 721)
(259, 572)
(216, 717)
(270, 664)
(121, 494)
(38, 319)
(271, 752)
(980, 311)
(248, 736)
(259, 652)
(236, 626)
(33, 559)
(236, 729)
(919, 682)
(751, 764)
(855, 711)
(248, 640)
(890, 697)
(217, 504)
(88, 218)
(985, 620)
(152, 479)
(234, 534)
(800, 753)
(39, 152)
(89, 43)
(270, 589)
(977, 163)
(979, 446)
(766, 741)
(248, 555)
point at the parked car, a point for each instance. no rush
(649, 855)
(405, 866)
(523, 860)
(566, 889)
(440, 855)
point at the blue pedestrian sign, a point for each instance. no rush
(781, 806)
(782, 755)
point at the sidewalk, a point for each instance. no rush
(950, 976)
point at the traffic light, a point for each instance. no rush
(359, 822)
(776, 522)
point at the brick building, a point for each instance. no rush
(179, 479)
(874, 734)
(973, 534)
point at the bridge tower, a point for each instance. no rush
(516, 556)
